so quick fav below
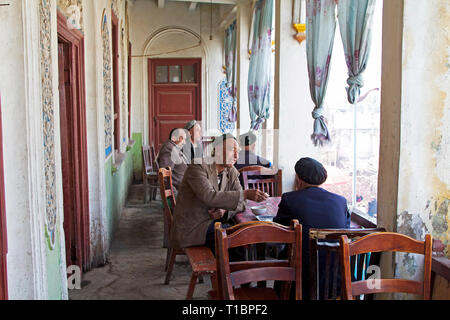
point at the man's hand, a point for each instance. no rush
(255, 195)
(216, 213)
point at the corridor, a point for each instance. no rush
(136, 264)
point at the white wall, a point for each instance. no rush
(154, 30)
(293, 101)
(19, 262)
(424, 175)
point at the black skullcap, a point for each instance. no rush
(220, 139)
(247, 139)
(311, 171)
(190, 125)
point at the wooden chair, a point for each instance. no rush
(230, 275)
(201, 258)
(270, 184)
(379, 242)
(327, 241)
(150, 172)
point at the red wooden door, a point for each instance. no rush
(3, 239)
(73, 144)
(175, 96)
(65, 100)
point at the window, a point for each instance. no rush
(185, 73)
(352, 165)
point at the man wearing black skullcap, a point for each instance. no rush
(314, 207)
(193, 149)
(247, 155)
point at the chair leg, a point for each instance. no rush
(154, 193)
(213, 278)
(169, 251)
(170, 267)
(192, 284)
(146, 186)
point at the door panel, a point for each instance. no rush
(65, 89)
(73, 144)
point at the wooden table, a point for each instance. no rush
(272, 208)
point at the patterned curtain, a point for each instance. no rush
(260, 74)
(355, 22)
(231, 66)
(320, 27)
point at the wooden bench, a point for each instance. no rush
(201, 258)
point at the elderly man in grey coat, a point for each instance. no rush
(210, 192)
(171, 155)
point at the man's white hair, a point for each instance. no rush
(177, 133)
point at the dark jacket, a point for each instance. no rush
(313, 208)
(193, 152)
(249, 158)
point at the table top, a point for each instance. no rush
(247, 215)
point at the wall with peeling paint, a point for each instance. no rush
(424, 168)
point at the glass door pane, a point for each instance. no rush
(189, 74)
(162, 74)
(175, 74)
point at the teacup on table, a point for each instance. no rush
(259, 210)
(265, 218)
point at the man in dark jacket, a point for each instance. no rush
(247, 155)
(314, 207)
(193, 150)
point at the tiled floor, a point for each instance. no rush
(137, 258)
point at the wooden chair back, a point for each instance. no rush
(149, 157)
(327, 241)
(380, 242)
(269, 184)
(167, 195)
(154, 159)
(233, 274)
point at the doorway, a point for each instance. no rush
(174, 96)
(73, 144)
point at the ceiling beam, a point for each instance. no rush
(229, 17)
(193, 6)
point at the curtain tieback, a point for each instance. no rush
(353, 91)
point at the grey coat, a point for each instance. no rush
(171, 156)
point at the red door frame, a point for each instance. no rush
(115, 67)
(3, 237)
(75, 40)
(129, 90)
(152, 63)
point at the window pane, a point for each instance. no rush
(189, 74)
(175, 74)
(339, 156)
(367, 142)
(162, 74)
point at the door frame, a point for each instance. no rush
(75, 39)
(115, 80)
(3, 236)
(152, 63)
